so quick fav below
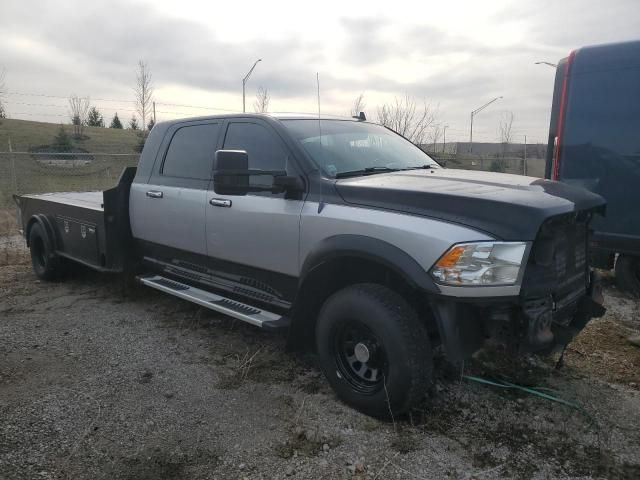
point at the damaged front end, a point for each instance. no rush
(558, 296)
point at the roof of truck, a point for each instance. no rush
(275, 115)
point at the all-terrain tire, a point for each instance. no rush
(46, 264)
(386, 331)
(628, 274)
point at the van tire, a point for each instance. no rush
(368, 329)
(46, 264)
(628, 274)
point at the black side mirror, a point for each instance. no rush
(231, 172)
(231, 175)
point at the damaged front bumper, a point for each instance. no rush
(521, 325)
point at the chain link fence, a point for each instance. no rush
(533, 167)
(41, 172)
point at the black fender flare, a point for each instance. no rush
(368, 248)
(307, 303)
(47, 228)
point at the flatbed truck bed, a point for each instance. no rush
(91, 228)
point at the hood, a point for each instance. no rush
(509, 207)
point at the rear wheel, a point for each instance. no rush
(46, 264)
(373, 350)
(628, 274)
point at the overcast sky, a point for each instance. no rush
(455, 54)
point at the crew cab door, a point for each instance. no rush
(168, 213)
(254, 239)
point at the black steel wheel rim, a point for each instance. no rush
(360, 356)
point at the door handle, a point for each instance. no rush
(220, 202)
(154, 194)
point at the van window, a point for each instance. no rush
(190, 154)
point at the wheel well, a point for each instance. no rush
(329, 277)
(47, 230)
(32, 222)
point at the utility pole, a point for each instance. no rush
(444, 137)
(14, 175)
(244, 84)
(474, 113)
(524, 164)
(154, 112)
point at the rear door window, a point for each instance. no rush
(191, 151)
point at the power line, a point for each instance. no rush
(24, 94)
(27, 94)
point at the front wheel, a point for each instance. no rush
(374, 350)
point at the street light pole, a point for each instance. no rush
(474, 113)
(444, 137)
(244, 83)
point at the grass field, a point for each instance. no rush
(113, 150)
(26, 135)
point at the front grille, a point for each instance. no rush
(558, 262)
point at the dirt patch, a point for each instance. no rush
(8, 222)
(162, 465)
(603, 350)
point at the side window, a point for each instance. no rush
(264, 149)
(190, 153)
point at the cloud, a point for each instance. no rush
(108, 45)
(436, 53)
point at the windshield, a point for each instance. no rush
(342, 148)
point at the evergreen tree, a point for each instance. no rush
(62, 141)
(133, 123)
(116, 123)
(95, 118)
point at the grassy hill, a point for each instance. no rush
(26, 135)
(37, 174)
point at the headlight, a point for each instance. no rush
(480, 264)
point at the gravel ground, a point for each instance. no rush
(96, 385)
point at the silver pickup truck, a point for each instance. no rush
(343, 233)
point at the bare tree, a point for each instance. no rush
(435, 134)
(505, 132)
(407, 118)
(78, 110)
(261, 104)
(143, 92)
(3, 91)
(358, 106)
